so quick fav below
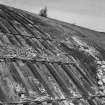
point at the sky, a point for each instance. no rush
(87, 13)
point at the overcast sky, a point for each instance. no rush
(88, 13)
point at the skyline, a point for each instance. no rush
(86, 13)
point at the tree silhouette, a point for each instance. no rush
(43, 12)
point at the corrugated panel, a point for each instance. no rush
(57, 80)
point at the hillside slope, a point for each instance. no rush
(69, 65)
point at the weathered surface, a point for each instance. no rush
(71, 62)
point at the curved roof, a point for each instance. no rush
(48, 77)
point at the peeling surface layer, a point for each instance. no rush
(70, 60)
